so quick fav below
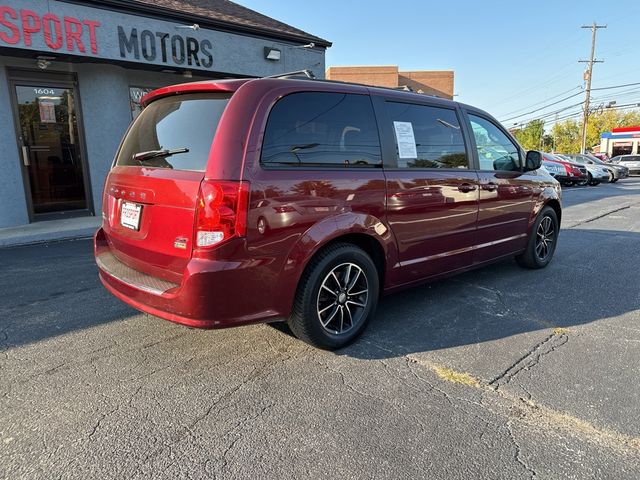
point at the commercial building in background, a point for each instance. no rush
(72, 73)
(620, 141)
(438, 83)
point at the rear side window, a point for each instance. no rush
(174, 123)
(427, 137)
(322, 130)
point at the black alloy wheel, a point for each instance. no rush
(336, 297)
(542, 241)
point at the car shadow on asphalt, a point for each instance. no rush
(43, 299)
(581, 285)
(50, 290)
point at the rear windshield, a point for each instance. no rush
(176, 123)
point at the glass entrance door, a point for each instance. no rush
(50, 148)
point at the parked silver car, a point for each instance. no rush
(595, 172)
(632, 162)
(616, 172)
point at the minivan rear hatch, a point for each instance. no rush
(150, 196)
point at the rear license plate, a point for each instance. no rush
(130, 215)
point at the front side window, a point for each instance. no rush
(495, 150)
(317, 129)
(426, 136)
(184, 124)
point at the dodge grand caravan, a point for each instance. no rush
(240, 201)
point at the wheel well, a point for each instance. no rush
(370, 245)
(556, 206)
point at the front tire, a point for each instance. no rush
(336, 297)
(542, 242)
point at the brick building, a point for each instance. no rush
(438, 83)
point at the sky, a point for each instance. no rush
(508, 58)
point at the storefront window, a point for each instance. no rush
(135, 94)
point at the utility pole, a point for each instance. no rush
(588, 74)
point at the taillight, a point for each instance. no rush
(221, 212)
(284, 209)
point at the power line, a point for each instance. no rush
(618, 96)
(616, 86)
(543, 101)
(549, 114)
(542, 108)
(539, 86)
(610, 87)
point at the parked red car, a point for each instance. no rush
(574, 173)
(241, 201)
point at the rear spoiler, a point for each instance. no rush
(193, 87)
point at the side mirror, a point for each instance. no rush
(533, 161)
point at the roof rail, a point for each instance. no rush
(307, 73)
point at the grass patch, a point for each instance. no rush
(456, 377)
(560, 331)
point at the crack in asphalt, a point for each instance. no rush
(239, 425)
(187, 430)
(541, 416)
(518, 451)
(530, 359)
(602, 215)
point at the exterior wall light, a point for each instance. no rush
(43, 61)
(272, 54)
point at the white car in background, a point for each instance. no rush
(632, 162)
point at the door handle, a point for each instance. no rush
(490, 187)
(466, 187)
(25, 156)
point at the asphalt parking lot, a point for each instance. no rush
(498, 373)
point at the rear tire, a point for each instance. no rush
(336, 297)
(542, 242)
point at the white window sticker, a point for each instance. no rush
(406, 140)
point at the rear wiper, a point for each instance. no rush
(142, 156)
(295, 148)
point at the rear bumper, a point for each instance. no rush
(570, 178)
(212, 294)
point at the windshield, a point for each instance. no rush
(182, 126)
(595, 159)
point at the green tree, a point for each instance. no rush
(566, 136)
(531, 136)
(608, 119)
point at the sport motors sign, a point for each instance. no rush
(69, 29)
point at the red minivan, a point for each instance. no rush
(240, 201)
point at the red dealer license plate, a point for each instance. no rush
(130, 215)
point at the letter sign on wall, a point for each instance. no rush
(68, 28)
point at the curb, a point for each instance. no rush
(48, 237)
